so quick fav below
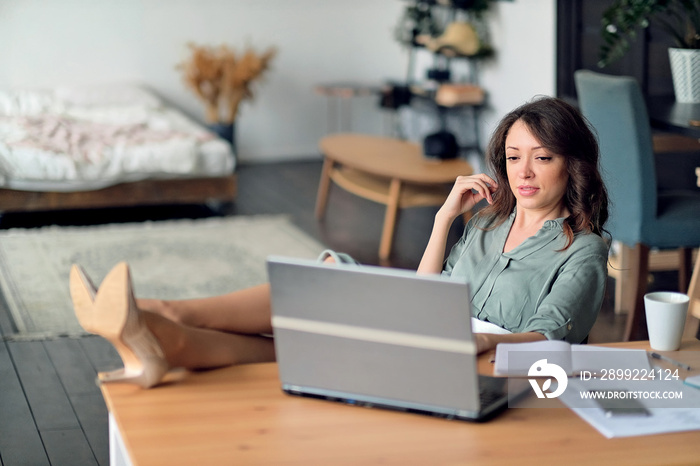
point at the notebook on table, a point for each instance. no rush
(379, 337)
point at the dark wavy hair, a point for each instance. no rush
(562, 130)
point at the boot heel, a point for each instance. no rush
(111, 312)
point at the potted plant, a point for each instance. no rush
(680, 18)
(222, 79)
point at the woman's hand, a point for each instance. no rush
(488, 341)
(466, 193)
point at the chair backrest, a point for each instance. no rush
(692, 324)
(614, 105)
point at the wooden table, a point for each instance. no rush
(239, 415)
(668, 115)
(388, 171)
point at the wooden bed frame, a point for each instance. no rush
(138, 193)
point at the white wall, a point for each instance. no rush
(74, 42)
(524, 36)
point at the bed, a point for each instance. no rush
(106, 146)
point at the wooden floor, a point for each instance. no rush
(51, 411)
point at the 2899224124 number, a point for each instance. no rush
(631, 374)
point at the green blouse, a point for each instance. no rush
(535, 287)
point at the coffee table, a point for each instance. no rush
(388, 171)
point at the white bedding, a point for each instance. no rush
(88, 138)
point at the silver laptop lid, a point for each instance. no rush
(374, 335)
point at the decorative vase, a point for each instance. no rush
(226, 131)
(685, 70)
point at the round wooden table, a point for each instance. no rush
(388, 171)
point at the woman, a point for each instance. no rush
(534, 258)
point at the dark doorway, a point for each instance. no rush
(578, 41)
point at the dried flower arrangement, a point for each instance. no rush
(222, 78)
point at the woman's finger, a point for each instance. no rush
(482, 184)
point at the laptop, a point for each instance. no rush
(379, 337)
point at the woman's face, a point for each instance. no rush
(537, 178)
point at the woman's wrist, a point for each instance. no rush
(443, 218)
(441, 226)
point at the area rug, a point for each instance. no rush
(170, 260)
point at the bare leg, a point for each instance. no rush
(243, 311)
(214, 331)
(197, 348)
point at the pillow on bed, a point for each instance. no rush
(108, 95)
(28, 102)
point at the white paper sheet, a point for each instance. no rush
(671, 415)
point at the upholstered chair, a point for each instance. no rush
(641, 217)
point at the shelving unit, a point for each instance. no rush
(451, 34)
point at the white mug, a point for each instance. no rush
(666, 313)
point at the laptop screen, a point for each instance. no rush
(374, 335)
